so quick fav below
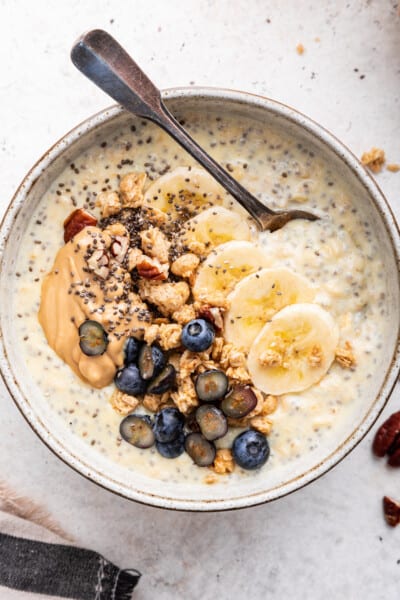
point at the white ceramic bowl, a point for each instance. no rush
(79, 455)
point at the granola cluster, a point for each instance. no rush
(159, 263)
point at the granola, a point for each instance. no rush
(374, 159)
(345, 357)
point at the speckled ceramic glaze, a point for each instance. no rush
(82, 457)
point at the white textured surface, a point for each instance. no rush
(328, 540)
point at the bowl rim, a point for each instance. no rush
(247, 500)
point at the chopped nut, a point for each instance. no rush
(155, 244)
(394, 454)
(119, 247)
(122, 403)
(393, 168)
(185, 265)
(315, 357)
(168, 297)
(386, 435)
(134, 256)
(270, 358)
(300, 49)
(214, 314)
(391, 511)
(374, 159)
(98, 263)
(223, 462)
(131, 188)
(262, 424)
(184, 314)
(345, 356)
(109, 203)
(151, 268)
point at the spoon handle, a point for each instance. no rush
(101, 58)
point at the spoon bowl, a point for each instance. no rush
(101, 58)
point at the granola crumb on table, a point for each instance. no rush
(374, 159)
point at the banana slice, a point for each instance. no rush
(257, 298)
(225, 266)
(215, 226)
(294, 350)
(184, 191)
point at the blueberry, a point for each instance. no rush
(164, 381)
(151, 361)
(137, 430)
(198, 335)
(172, 449)
(129, 381)
(211, 385)
(131, 350)
(212, 421)
(93, 339)
(240, 401)
(250, 449)
(200, 450)
(168, 424)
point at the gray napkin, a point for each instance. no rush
(37, 561)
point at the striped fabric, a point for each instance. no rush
(36, 563)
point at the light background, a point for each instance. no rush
(329, 540)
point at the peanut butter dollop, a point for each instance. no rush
(72, 292)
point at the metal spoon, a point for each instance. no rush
(99, 56)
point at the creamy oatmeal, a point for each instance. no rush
(323, 278)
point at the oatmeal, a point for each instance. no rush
(128, 273)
